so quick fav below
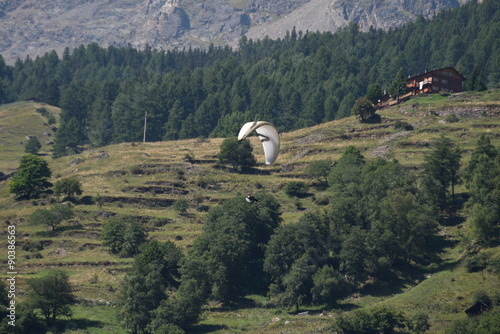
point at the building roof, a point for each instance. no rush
(477, 308)
(460, 76)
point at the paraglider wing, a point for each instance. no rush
(268, 136)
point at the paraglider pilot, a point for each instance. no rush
(251, 199)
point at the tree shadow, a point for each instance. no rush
(60, 229)
(375, 118)
(76, 324)
(206, 328)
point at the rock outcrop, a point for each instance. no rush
(34, 27)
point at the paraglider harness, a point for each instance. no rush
(251, 199)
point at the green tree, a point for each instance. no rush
(67, 139)
(112, 234)
(296, 188)
(485, 220)
(378, 320)
(298, 282)
(181, 206)
(364, 109)
(32, 146)
(52, 295)
(237, 153)
(476, 80)
(482, 171)
(68, 186)
(53, 93)
(141, 293)
(419, 323)
(133, 237)
(228, 255)
(329, 285)
(347, 170)
(31, 178)
(374, 93)
(353, 255)
(182, 309)
(51, 217)
(441, 168)
(398, 86)
(164, 257)
(319, 169)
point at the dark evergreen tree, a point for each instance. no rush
(441, 169)
(398, 86)
(476, 81)
(32, 146)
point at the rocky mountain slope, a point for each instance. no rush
(34, 27)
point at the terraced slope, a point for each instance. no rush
(144, 180)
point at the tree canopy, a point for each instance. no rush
(31, 178)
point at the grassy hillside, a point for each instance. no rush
(144, 180)
(17, 121)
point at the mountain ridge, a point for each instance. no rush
(32, 28)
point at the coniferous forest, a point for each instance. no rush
(298, 81)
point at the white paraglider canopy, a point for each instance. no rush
(268, 136)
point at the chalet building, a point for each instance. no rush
(447, 80)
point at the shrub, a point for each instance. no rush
(31, 246)
(51, 119)
(476, 263)
(451, 118)
(181, 206)
(481, 296)
(296, 188)
(43, 111)
(137, 170)
(399, 125)
(321, 199)
(34, 255)
(379, 320)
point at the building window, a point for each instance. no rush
(445, 73)
(445, 81)
(435, 88)
(435, 79)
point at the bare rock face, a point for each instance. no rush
(34, 27)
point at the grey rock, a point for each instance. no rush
(35, 27)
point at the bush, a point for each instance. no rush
(296, 188)
(137, 170)
(481, 296)
(34, 255)
(379, 320)
(321, 199)
(31, 246)
(181, 206)
(43, 111)
(476, 263)
(399, 125)
(451, 118)
(51, 119)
